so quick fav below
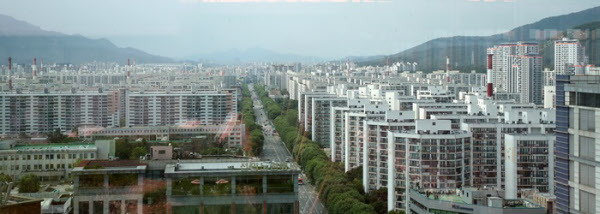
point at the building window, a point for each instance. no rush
(571, 118)
(587, 175)
(572, 198)
(571, 170)
(587, 120)
(587, 148)
(161, 152)
(571, 144)
(587, 202)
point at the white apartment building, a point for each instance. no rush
(517, 68)
(38, 113)
(375, 146)
(549, 96)
(321, 116)
(489, 138)
(160, 108)
(568, 54)
(534, 161)
(353, 131)
(425, 110)
(431, 156)
(436, 93)
(338, 130)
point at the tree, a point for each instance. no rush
(5, 178)
(137, 152)
(58, 137)
(123, 149)
(29, 183)
(378, 200)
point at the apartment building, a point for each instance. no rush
(533, 162)
(489, 138)
(321, 115)
(38, 113)
(354, 129)
(375, 152)
(436, 93)
(576, 152)
(160, 108)
(517, 68)
(568, 54)
(430, 156)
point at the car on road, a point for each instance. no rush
(300, 182)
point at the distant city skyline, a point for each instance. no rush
(328, 29)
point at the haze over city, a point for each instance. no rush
(300, 106)
(186, 29)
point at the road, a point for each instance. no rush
(274, 149)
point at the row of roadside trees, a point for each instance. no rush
(335, 189)
(255, 137)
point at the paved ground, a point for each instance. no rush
(275, 150)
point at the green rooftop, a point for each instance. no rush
(448, 197)
(80, 145)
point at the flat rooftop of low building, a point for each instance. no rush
(79, 145)
(447, 197)
(232, 167)
(109, 166)
(110, 163)
(452, 196)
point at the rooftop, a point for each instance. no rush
(223, 168)
(54, 146)
(110, 163)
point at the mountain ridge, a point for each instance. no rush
(23, 41)
(468, 52)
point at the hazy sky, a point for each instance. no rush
(184, 28)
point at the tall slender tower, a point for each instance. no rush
(34, 68)
(490, 85)
(447, 69)
(10, 73)
(348, 67)
(127, 68)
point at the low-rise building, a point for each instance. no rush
(469, 200)
(232, 187)
(102, 186)
(49, 161)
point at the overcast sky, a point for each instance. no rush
(323, 28)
